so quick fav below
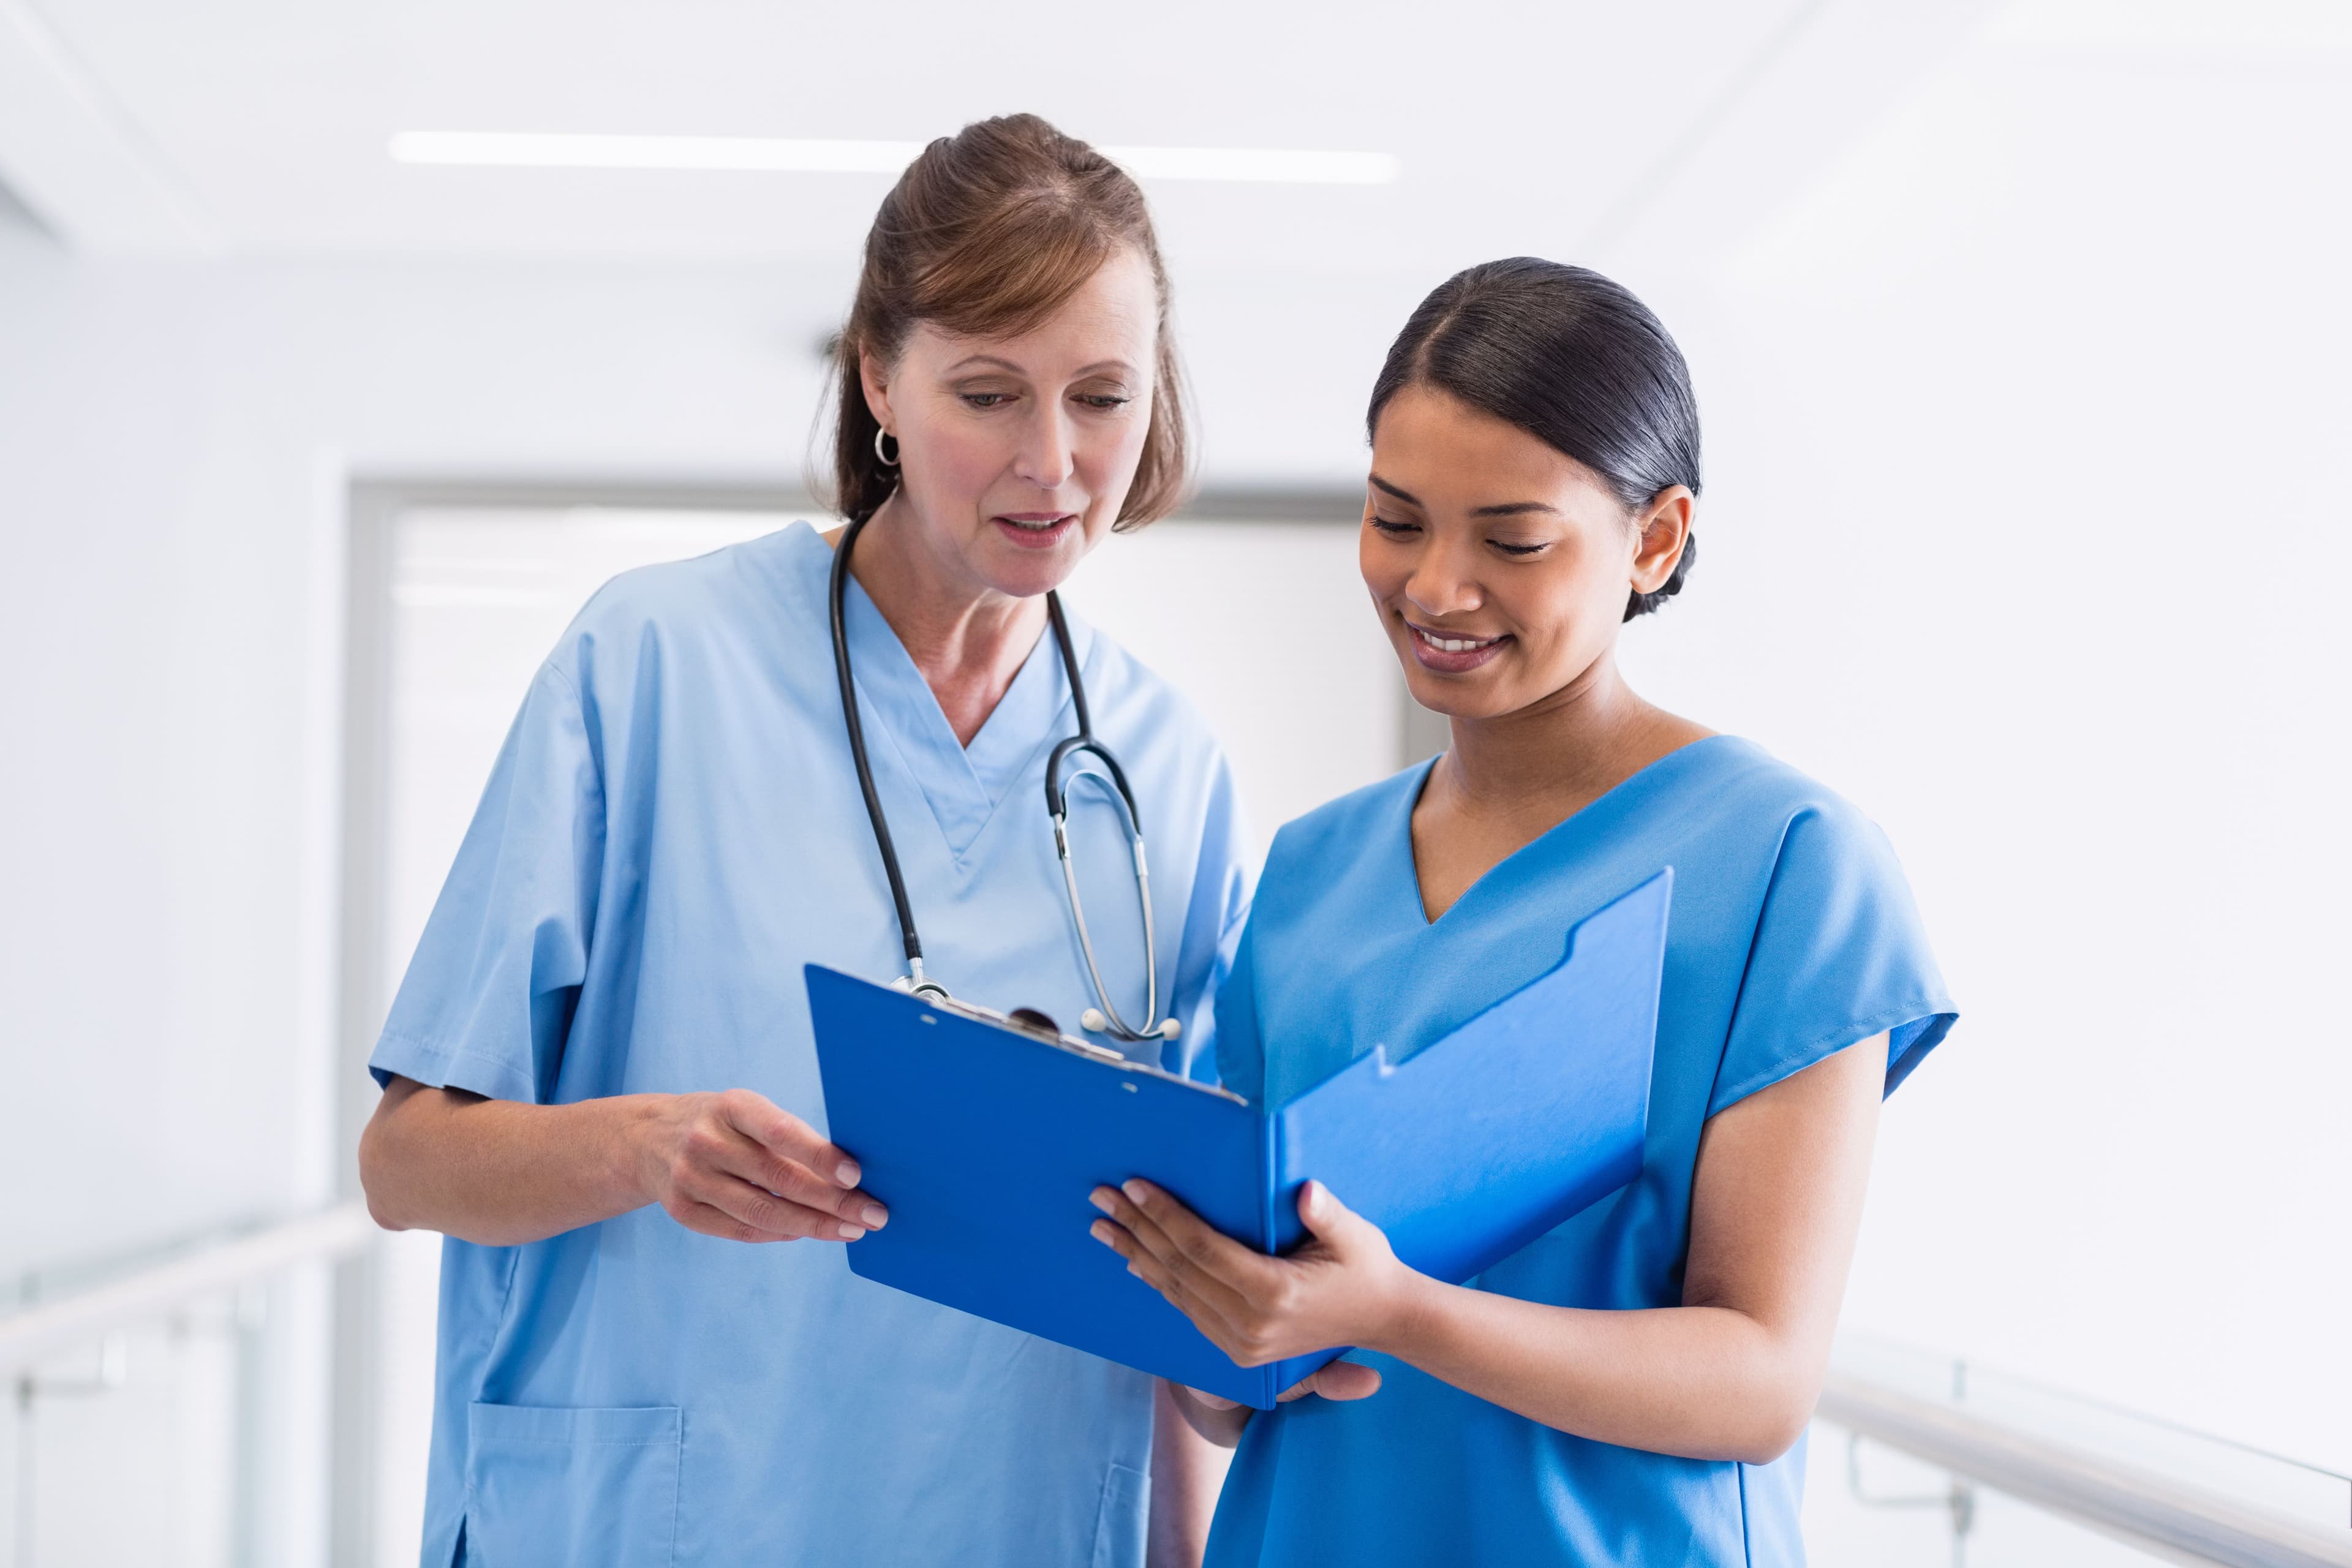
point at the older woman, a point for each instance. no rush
(599, 1078)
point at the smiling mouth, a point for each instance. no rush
(1443, 644)
(1036, 522)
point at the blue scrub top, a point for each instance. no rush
(1793, 935)
(673, 828)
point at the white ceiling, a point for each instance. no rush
(261, 127)
(258, 127)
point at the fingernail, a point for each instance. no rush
(1100, 1198)
(1100, 1231)
(1131, 1268)
(876, 1215)
(1134, 1191)
(852, 1232)
(846, 1174)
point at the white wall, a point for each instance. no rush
(2028, 530)
(173, 448)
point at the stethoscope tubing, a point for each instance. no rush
(1108, 1020)
(874, 813)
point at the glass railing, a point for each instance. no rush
(151, 1396)
(1926, 1458)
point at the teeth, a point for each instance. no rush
(1453, 644)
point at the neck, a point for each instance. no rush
(1548, 759)
(967, 640)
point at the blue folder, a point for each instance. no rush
(984, 1136)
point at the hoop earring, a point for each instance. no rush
(881, 456)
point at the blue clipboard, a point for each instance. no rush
(984, 1137)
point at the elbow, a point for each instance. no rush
(378, 1211)
(379, 1201)
(376, 1183)
(1778, 1424)
(1769, 1444)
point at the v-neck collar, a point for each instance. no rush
(1531, 857)
(963, 784)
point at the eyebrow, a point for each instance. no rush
(1003, 364)
(1501, 509)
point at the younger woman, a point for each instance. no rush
(1631, 1387)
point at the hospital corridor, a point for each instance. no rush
(432, 439)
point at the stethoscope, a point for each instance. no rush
(1105, 1019)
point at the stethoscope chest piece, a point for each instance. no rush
(915, 982)
(1093, 1022)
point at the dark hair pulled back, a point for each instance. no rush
(1574, 360)
(986, 233)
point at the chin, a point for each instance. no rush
(1027, 577)
(1474, 696)
(1445, 700)
(1025, 574)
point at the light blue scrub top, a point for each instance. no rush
(1793, 935)
(673, 828)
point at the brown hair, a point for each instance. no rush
(987, 233)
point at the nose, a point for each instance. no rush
(1443, 581)
(1046, 457)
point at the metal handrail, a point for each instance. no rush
(2146, 1509)
(2150, 1510)
(30, 1336)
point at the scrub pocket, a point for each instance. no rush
(1126, 1511)
(561, 1487)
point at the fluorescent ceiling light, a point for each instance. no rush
(498, 149)
(535, 149)
(1268, 165)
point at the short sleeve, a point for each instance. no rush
(1839, 954)
(488, 997)
(1213, 929)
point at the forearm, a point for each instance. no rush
(1220, 1424)
(1732, 1372)
(1701, 1383)
(499, 1173)
(1735, 1371)
(1186, 1475)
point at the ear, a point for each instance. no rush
(873, 378)
(1663, 528)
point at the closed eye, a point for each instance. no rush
(1518, 552)
(1394, 528)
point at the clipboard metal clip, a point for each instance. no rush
(915, 982)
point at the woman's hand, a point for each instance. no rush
(1344, 1287)
(500, 1174)
(736, 1165)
